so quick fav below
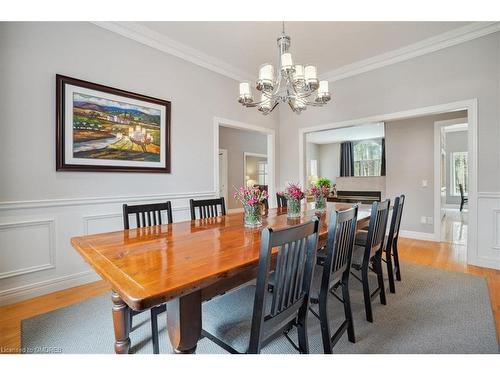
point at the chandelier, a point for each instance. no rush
(297, 85)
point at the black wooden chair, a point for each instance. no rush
(232, 323)
(147, 215)
(391, 243)
(463, 198)
(334, 273)
(207, 208)
(281, 199)
(368, 257)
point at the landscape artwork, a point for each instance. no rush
(107, 129)
(100, 128)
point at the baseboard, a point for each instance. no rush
(417, 235)
(24, 292)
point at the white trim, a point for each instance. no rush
(225, 157)
(36, 289)
(423, 47)
(271, 147)
(489, 194)
(50, 223)
(471, 107)
(151, 38)
(417, 235)
(16, 205)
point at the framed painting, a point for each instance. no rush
(100, 128)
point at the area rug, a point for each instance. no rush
(433, 311)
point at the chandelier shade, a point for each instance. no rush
(295, 84)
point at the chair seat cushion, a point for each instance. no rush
(229, 317)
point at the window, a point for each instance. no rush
(458, 171)
(262, 172)
(367, 157)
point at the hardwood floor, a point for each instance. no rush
(442, 255)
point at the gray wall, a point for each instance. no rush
(455, 141)
(236, 142)
(465, 71)
(32, 54)
(410, 160)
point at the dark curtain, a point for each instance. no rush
(346, 159)
(382, 166)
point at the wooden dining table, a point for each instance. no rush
(184, 264)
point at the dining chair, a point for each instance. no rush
(248, 318)
(281, 199)
(391, 243)
(335, 273)
(463, 198)
(265, 188)
(368, 257)
(207, 208)
(147, 215)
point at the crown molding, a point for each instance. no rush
(151, 38)
(435, 43)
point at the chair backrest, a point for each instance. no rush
(376, 229)
(339, 246)
(295, 262)
(461, 187)
(397, 211)
(147, 215)
(281, 199)
(207, 208)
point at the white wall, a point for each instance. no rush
(461, 72)
(237, 142)
(41, 209)
(329, 161)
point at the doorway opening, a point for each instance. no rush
(452, 164)
(245, 157)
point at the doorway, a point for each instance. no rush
(243, 143)
(452, 164)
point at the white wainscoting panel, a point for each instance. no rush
(36, 256)
(27, 246)
(488, 244)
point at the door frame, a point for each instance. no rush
(271, 147)
(438, 128)
(472, 117)
(223, 151)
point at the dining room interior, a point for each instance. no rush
(249, 187)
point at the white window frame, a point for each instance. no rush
(455, 190)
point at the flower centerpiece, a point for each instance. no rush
(293, 194)
(251, 198)
(320, 194)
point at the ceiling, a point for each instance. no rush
(328, 45)
(352, 133)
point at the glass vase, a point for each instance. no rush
(253, 218)
(292, 208)
(320, 203)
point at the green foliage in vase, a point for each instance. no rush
(323, 181)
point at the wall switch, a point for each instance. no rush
(423, 220)
(424, 183)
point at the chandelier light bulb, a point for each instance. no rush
(286, 61)
(299, 73)
(323, 87)
(245, 89)
(266, 73)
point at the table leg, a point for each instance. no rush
(121, 323)
(184, 322)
